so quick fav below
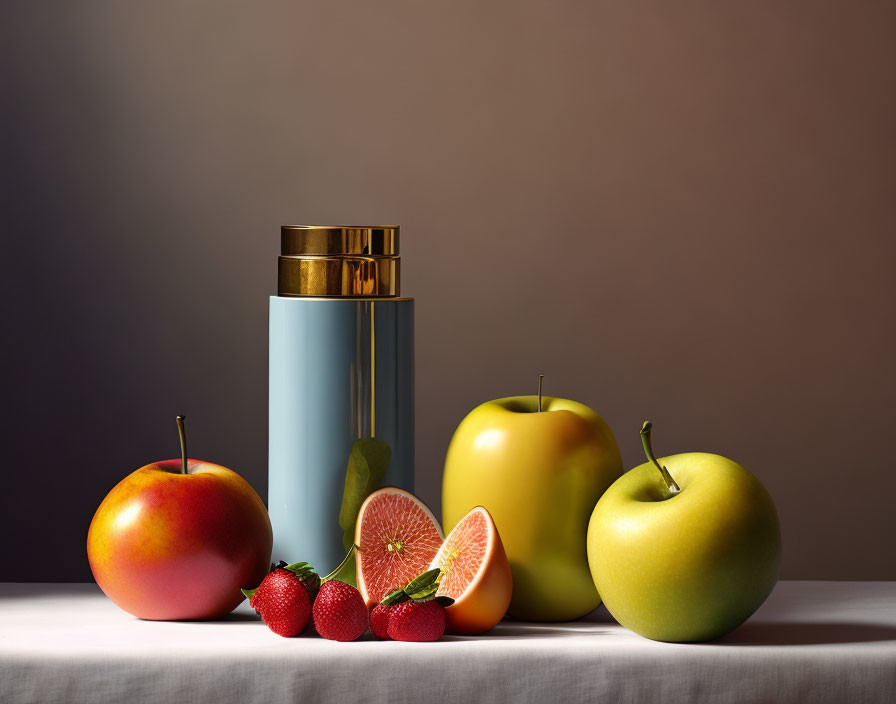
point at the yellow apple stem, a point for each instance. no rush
(183, 443)
(540, 379)
(648, 450)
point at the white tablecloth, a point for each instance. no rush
(811, 642)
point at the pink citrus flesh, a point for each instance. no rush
(462, 554)
(397, 538)
(475, 573)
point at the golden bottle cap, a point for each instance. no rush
(338, 261)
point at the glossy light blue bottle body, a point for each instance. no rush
(340, 369)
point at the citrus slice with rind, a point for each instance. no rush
(475, 573)
(397, 537)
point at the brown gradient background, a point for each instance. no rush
(677, 211)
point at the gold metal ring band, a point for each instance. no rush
(338, 276)
(333, 240)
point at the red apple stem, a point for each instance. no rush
(540, 379)
(671, 484)
(183, 443)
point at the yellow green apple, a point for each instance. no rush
(538, 464)
(684, 548)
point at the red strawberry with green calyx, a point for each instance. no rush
(339, 609)
(414, 613)
(417, 621)
(283, 599)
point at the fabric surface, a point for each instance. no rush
(810, 642)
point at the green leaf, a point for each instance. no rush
(424, 594)
(306, 575)
(367, 463)
(301, 570)
(249, 593)
(395, 597)
(421, 588)
(423, 581)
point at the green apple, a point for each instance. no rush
(538, 465)
(685, 548)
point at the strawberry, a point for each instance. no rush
(283, 599)
(339, 611)
(379, 621)
(417, 621)
(415, 613)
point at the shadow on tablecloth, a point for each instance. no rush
(782, 633)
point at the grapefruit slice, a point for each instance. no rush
(475, 573)
(397, 538)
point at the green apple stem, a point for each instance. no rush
(540, 379)
(183, 443)
(648, 450)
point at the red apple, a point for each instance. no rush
(177, 539)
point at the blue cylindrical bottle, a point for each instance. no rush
(341, 368)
